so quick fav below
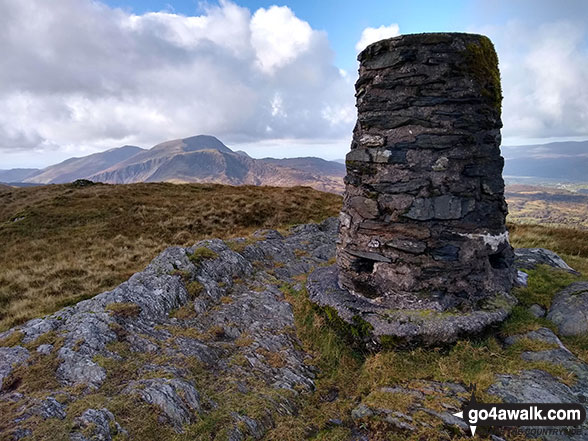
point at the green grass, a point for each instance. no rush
(543, 283)
(124, 309)
(73, 243)
(202, 253)
(358, 376)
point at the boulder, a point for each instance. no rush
(569, 310)
(529, 258)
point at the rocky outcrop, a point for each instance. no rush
(530, 258)
(538, 386)
(569, 309)
(199, 328)
(10, 357)
(206, 334)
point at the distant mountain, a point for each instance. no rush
(310, 165)
(567, 161)
(80, 168)
(17, 174)
(199, 158)
(204, 158)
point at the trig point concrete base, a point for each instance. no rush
(423, 251)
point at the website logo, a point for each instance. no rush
(477, 414)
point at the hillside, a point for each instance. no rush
(62, 243)
(565, 161)
(547, 206)
(197, 159)
(206, 159)
(219, 340)
(17, 174)
(99, 235)
(252, 355)
(79, 168)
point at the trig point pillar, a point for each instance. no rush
(423, 248)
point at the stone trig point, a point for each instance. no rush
(423, 251)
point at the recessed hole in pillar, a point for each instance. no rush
(498, 260)
(362, 265)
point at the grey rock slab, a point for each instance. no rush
(361, 411)
(100, 423)
(544, 335)
(217, 274)
(45, 349)
(79, 369)
(536, 386)
(532, 386)
(51, 408)
(426, 326)
(37, 327)
(10, 357)
(256, 311)
(529, 258)
(521, 279)
(178, 400)
(569, 310)
(537, 310)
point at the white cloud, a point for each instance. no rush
(544, 70)
(278, 37)
(371, 35)
(86, 77)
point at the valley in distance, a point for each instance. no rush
(546, 184)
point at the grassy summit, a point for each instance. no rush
(64, 243)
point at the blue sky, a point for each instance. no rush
(271, 78)
(345, 20)
(342, 20)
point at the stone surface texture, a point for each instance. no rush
(530, 258)
(569, 310)
(238, 333)
(423, 220)
(538, 386)
(237, 345)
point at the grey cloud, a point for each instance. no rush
(80, 73)
(544, 72)
(20, 140)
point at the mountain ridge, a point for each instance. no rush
(557, 160)
(81, 167)
(196, 159)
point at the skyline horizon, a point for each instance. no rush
(273, 78)
(254, 155)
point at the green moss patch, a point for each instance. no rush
(544, 282)
(124, 309)
(482, 63)
(202, 253)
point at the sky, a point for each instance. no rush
(271, 78)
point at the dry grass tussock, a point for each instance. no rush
(62, 244)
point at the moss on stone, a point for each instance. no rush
(12, 339)
(194, 289)
(124, 309)
(201, 254)
(482, 63)
(354, 333)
